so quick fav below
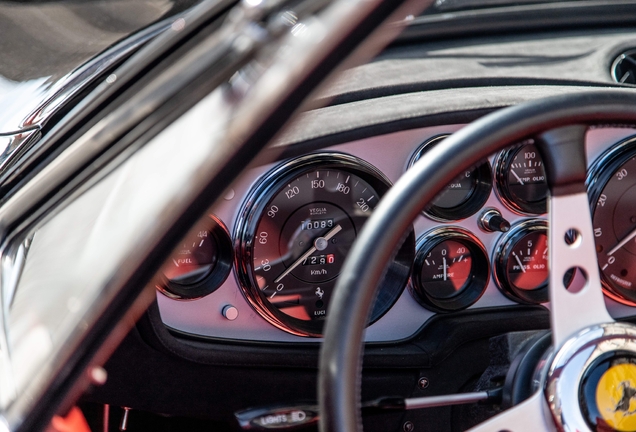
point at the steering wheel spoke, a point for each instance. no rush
(531, 415)
(572, 255)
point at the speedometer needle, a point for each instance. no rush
(623, 242)
(319, 244)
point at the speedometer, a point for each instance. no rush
(295, 232)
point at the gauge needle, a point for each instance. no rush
(518, 178)
(523, 269)
(319, 244)
(623, 242)
(444, 268)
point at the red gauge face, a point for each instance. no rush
(521, 262)
(194, 260)
(446, 269)
(451, 269)
(528, 262)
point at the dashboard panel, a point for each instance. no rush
(390, 154)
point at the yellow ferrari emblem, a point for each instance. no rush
(616, 397)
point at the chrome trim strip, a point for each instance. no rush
(13, 146)
(71, 84)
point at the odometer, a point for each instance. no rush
(612, 187)
(295, 232)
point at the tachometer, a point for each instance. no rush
(612, 190)
(294, 234)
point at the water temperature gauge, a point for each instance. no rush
(464, 196)
(451, 269)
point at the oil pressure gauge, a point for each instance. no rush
(521, 262)
(451, 269)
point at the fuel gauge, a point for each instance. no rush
(451, 269)
(200, 264)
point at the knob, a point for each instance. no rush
(230, 312)
(491, 220)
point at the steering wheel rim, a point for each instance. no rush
(341, 353)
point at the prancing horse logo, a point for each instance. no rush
(628, 393)
(616, 396)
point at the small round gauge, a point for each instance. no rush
(450, 271)
(612, 190)
(200, 264)
(520, 179)
(521, 262)
(295, 232)
(461, 198)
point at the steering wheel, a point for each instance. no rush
(584, 335)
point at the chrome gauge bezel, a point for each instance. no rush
(501, 255)
(217, 275)
(502, 163)
(599, 174)
(476, 200)
(480, 272)
(253, 209)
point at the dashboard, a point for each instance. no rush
(487, 233)
(240, 303)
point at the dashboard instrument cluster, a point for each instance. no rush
(482, 242)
